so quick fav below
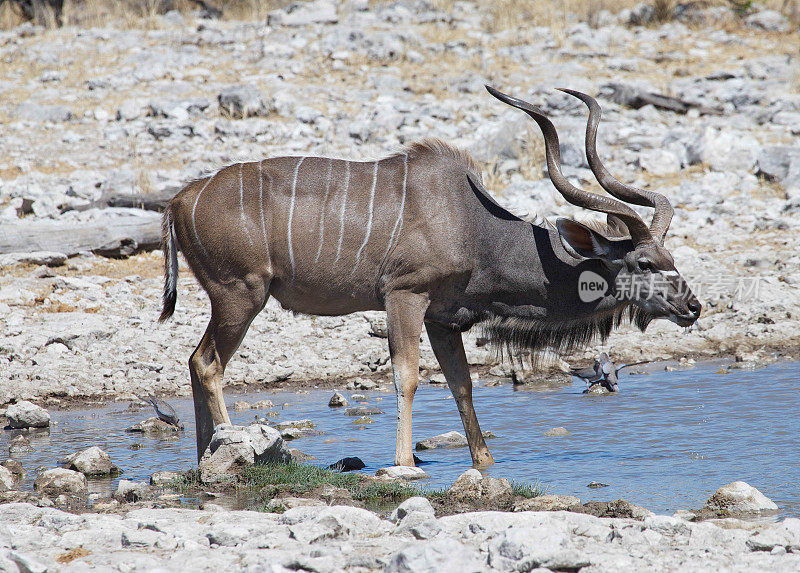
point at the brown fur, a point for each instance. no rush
(439, 147)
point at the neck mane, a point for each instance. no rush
(513, 336)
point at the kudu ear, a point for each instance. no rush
(617, 226)
(582, 241)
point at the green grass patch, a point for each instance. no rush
(526, 489)
(190, 479)
(294, 478)
(262, 483)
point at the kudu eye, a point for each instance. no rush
(645, 264)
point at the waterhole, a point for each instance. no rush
(667, 441)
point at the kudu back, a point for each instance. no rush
(417, 235)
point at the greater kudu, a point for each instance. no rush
(417, 235)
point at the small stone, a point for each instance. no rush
(358, 397)
(740, 497)
(407, 473)
(365, 384)
(131, 491)
(769, 20)
(297, 433)
(262, 405)
(447, 440)
(338, 401)
(558, 432)
(91, 462)
(26, 414)
(153, 426)
(243, 101)
(163, 478)
(378, 328)
(6, 479)
(19, 445)
(300, 456)
(14, 467)
(473, 485)
(620, 508)
(347, 465)
(25, 563)
(317, 12)
(305, 423)
(363, 420)
(59, 480)
(241, 405)
(438, 379)
(596, 485)
(417, 504)
(437, 555)
(548, 503)
(42, 113)
(46, 258)
(363, 411)
(499, 371)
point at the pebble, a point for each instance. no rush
(447, 440)
(557, 432)
(91, 462)
(25, 414)
(338, 401)
(363, 411)
(402, 473)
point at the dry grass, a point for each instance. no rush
(557, 15)
(550, 13)
(532, 154)
(493, 179)
(134, 13)
(502, 14)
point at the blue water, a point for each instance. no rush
(667, 441)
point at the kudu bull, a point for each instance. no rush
(417, 235)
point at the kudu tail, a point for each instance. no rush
(169, 248)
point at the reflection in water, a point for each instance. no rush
(666, 442)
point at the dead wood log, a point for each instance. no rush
(634, 97)
(110, 233)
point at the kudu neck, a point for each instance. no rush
(533, 276)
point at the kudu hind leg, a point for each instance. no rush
(231, 316)
(405, 313)
(448, 347)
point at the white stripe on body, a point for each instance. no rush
(261, 210)
(241, 205)
(369, 221)
(324, 208)
(194, 210)
(341, 215)
(291, 214)
(398, 224)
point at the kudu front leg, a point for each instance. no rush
(405, 313)
(449, 350)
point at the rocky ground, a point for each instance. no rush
(98, 111)
(314, 536)
(145, 526)
(116, 110)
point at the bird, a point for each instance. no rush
(603, 372)
(164, 411)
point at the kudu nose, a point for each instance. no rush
(694, 307)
